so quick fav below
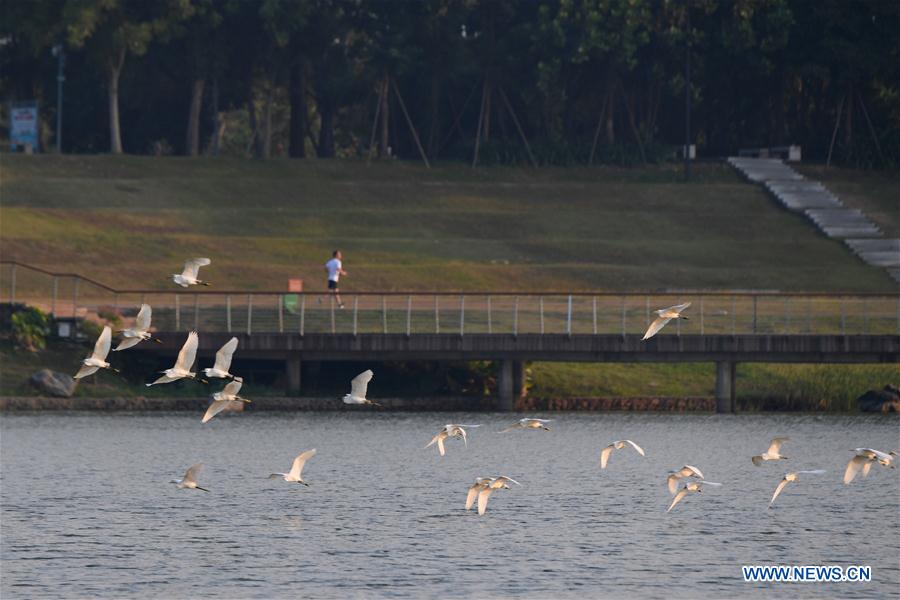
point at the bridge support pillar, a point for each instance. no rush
(505, 386)
(518, 379)
(292, 367)
(725, 401)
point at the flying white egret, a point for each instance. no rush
(665, 315)
(528, 423)
(788, 478)
(496, 483)
(183, 364)
(189, 480)
(358, 387)
(773, 453)
(223, 360)
(97, 359)
(864, 459)
(138, 333)
(450, 430)
(227, 397)
(481, 483)
(188, 277)
(691, 487)
(685, 471)
(294, 475)
(604, 454)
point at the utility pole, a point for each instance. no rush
(60, 55)
(687, 94)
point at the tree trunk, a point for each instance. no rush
(610, 121)
(486, 126)
(218, 123)
(384, 140)
(192, 140)
(297, 141)
(434, 132)
(253, 142)
(326, 130)
(115, 133)
(848, 118)
(266, 150)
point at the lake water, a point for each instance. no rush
(87, 510)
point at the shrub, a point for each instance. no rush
(31, 326)
(90, 329)
(111, 317)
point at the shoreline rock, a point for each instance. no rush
(885, 400)
(53, 383)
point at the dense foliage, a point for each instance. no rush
(580, 80)
(30, 328)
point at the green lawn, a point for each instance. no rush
(130, 221)
(759, 385)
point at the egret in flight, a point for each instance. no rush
(227, 397)
(864, 459)
(788, 478)
(528, 423)
(773, 453)
(481, 483)
(188, 277)
(223, 361)
(294, 475)
(604, 454)
(689, 488)
(685, 471)
(358, 387)
(189, 480)
(97, 359)
(183, 364)
(484, 493)
(138, 333)
(451, 430)
(664, 316)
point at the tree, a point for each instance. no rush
(112, 29)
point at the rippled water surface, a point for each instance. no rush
(87, 510)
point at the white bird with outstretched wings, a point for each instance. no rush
(223, 360)
(97, 359)
(664, 315)
(186, 357)
(359, 385)
(188, 276)
(226, 398)
(139, 332)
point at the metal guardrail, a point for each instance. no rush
(712, 312)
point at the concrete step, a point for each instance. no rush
(802, 185)
(802, 200)
(845, 232)
(881, 259)
(888, 245)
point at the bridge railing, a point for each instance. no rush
(711, 312)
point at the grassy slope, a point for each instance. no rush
(131, 220)
(127, 220)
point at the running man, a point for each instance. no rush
(335, 269)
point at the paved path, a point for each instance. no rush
(824, 209)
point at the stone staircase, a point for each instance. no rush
(826, 211)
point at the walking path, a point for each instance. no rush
(824, 209)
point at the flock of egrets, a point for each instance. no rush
(682, 482)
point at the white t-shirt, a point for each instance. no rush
(334, 269)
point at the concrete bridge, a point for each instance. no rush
(512, 351)
(725, 327)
